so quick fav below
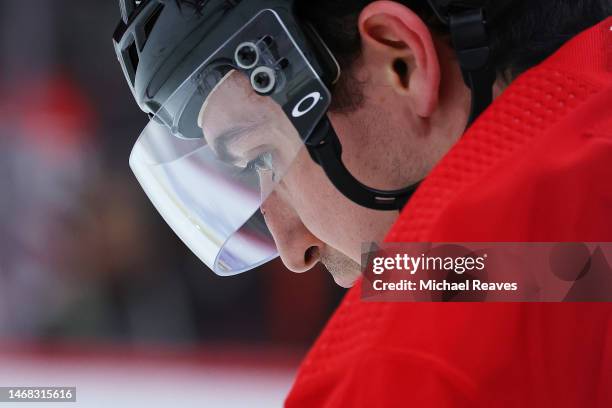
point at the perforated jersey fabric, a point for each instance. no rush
(536, 166)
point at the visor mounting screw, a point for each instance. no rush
(246, 55)
(263, 80)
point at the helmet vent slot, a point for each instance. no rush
(130, 56)
(148, 26)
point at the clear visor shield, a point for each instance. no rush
(222, 142)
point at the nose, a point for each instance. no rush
(299, 249)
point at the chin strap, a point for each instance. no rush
(325, 149)
(471, 43)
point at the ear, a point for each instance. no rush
(396, 41)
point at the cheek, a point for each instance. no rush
(312, 195)
(374, 150)
(363, 158)
(329, 215)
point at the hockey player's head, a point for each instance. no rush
(398, 104)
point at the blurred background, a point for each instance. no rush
(95, 290)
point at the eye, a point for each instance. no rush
(262, 162)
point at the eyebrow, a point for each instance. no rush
(221, 143)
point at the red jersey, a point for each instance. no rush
(536, 166)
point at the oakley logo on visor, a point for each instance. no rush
(306, 104)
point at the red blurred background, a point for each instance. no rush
(90, 276)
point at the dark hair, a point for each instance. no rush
(522, 32)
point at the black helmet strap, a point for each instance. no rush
(325, 149)
(471, 44)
